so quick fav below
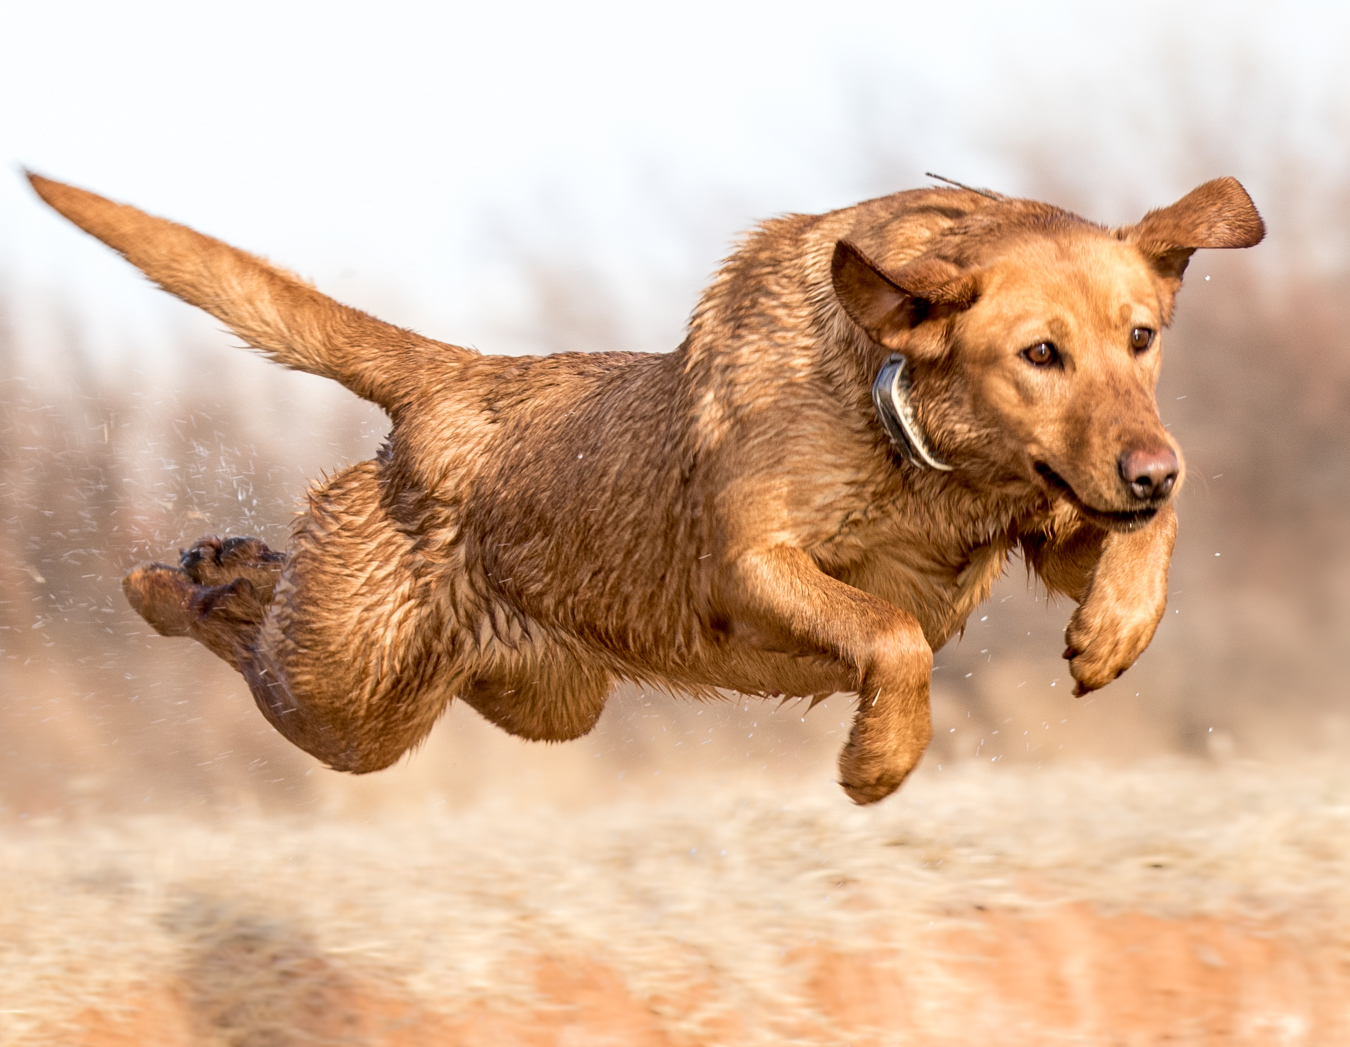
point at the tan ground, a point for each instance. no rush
(1164, 903)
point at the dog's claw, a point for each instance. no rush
(215, 561)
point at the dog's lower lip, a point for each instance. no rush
(1106, 517)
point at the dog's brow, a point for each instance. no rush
(1059, 330)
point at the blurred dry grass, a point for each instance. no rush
(1173, 902)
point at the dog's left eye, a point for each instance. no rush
(1043, 354)
(1141, 338)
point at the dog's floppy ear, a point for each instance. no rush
(887, 306)
(1217, 214)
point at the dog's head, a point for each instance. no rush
(1051, 327)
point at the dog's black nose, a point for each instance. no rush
(1150, 474)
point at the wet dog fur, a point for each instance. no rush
(727, 516)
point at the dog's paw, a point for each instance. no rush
(162, 595)
(869, 777)
(217, 561)
(873, 791)
(223, 618)
(1103, 642)
(1123, 605)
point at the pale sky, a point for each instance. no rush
(406, 156)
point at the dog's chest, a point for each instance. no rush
(938, 574)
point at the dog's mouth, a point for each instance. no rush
(1111, 519)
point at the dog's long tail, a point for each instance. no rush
(269, 308)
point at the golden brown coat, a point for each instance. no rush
(730, 515)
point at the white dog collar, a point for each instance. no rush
(890, 394)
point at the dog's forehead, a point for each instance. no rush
(1088, 274)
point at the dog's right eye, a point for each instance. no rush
(1043, 354)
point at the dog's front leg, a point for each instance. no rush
(780, 599)
(1123, 604)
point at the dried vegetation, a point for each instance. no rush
(1064, 905)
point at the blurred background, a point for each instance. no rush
(532, 177)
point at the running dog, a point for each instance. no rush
(872, 411)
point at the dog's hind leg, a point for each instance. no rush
(345, 642)
(360, 649)
(545, 694)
